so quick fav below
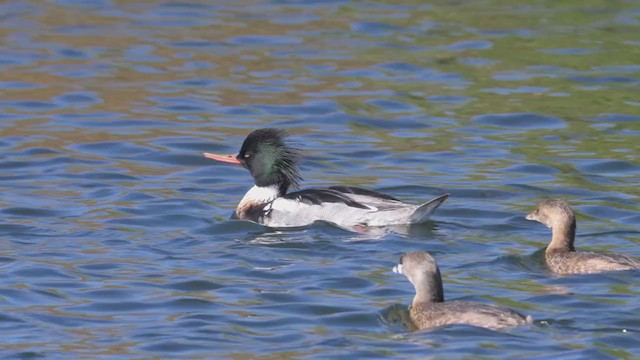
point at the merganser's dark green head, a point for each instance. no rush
(269, 159)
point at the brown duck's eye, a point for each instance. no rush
(401, 258)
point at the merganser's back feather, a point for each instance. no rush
(363, 192)
(320, 196)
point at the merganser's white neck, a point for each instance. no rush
(257, 195)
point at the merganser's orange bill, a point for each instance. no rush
(230, 158)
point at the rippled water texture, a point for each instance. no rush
(117, 235)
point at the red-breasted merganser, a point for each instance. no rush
(274, 167)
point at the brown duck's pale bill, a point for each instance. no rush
(397, 269)
(229, 158)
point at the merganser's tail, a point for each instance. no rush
(424, 211)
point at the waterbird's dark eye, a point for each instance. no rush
(401, 258)
(247, 155)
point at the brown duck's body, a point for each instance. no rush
(429, 310)
(561, 256)
(427, 315)
(577, 262)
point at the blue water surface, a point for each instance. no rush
(117, 238)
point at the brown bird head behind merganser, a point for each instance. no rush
(560, 217)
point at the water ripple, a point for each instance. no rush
(520, 121)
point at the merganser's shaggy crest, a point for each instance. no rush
(274, 167)
(429, 309)
(561, 255)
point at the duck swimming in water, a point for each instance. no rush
(274, 167)
(561, 256)
(429, 310)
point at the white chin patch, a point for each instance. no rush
(397, 269)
